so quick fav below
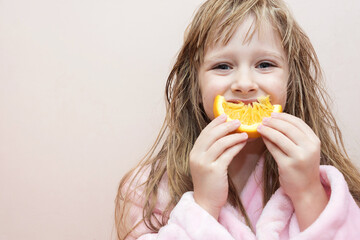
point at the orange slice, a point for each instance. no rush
(250, 115)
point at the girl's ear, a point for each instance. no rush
(199, 94)
(200, 99)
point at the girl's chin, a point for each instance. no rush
(251, 140)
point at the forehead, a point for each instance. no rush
(249, 32)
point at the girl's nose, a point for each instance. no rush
(244, 83)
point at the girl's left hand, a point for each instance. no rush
(296, 149)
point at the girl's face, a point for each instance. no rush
(245, 70)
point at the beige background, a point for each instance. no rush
(81, 100)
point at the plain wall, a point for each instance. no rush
(81, 100)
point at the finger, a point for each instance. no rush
(225, 159)
(299, 123)
(211, 135)
(218, 120)
(222, 144)
(275, 151)
(203, 135)
(277, 138)
(295, 134)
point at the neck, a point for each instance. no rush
(245, 162)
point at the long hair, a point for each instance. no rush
(216, 21)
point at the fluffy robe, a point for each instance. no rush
(340, 219)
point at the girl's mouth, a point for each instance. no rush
(246, 102)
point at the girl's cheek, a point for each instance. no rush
(207, 105)
(209, 110)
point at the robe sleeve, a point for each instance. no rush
(341, 217)
(187, 220)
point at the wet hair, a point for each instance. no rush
(215, 22)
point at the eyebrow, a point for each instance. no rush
(274, 54)
(221, 54)
(227, 54)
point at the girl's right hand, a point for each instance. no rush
(210, 157)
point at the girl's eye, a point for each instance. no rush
(222, 66)
(265, 65)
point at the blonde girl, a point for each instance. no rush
(201, 182)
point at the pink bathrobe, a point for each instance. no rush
(340, 219)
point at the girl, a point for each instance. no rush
(200, 182)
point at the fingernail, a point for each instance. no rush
(244, 135)
(222, 116)
(274, 114)
(265, 119)
(236, 122)
(259, 127)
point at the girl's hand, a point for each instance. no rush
(210, 157)
(296, 149)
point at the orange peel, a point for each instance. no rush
(250, 115)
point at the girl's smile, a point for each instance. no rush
(203, 179)
(245, 69)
